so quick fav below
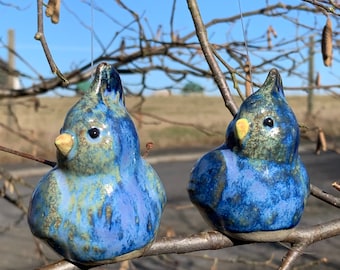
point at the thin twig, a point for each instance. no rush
(21, 135)
(28, 156)
(41, 37)
(324, 196)
(204, 130)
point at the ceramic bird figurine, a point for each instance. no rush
(254, 182)
(102, 202)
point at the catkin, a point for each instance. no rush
(326, 44)
(247, 70)
(321, 144)
(318, 80)
(53, 10)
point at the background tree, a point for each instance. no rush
(193, 88)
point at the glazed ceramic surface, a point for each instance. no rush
(255, 181)
(102, 200)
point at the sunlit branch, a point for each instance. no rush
(40, 36)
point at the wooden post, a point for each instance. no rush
(310, 95)
(10, 77)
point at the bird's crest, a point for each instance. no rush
(270, 93)
(107, 86)
(272, 84)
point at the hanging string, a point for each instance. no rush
(92, 38)
(246, 46)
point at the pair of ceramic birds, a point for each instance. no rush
(103, 202)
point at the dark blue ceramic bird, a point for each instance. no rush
(255, 181)
(102, 202)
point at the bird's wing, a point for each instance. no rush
(208, 179)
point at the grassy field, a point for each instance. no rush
(168, 122)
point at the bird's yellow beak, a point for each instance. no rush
(242, 128)
(64, 143)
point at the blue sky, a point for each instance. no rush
(70, 42)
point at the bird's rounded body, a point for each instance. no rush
(248, 195)
(102, 201)
(255, 181)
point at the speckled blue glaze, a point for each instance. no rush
(257, 183)
(102, 200)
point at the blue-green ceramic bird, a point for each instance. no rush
(102, 202)
(255, 181)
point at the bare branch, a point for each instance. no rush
(324, 196)
(40, 36)
(212, 240)
(330, 8)
(27, 156)
(202, 129)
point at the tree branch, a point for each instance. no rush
(40, 36)
(324, 196)
(213, 240)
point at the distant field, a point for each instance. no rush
(168, 122)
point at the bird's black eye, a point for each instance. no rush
(268, 122)
(94, 132)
